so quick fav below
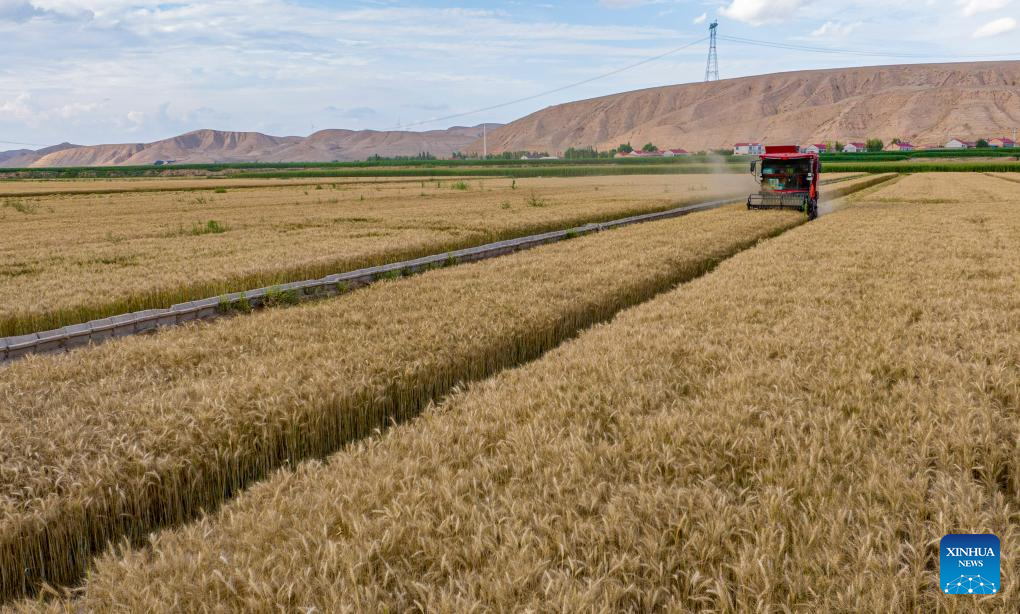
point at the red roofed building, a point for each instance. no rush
(855, 148)
(815, 148)
(1001, 142)
(669, 153)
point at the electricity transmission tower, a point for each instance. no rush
(712, 68)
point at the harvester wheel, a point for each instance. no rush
(812, 211)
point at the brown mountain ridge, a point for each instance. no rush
(210, 146)
(919, 103)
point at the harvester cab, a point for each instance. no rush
(787, 179)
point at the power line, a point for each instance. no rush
(881, 54)
(555, 90)
(732, 39)
(20, 143)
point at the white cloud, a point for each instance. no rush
(626, 4)
(973, 7)
(835, 29)
(137, 118)
(74, 109)
(279, 65)
(995, 28)
(21, 107)
(759, 12)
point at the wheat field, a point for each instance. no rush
(71, 258)
(794, 431)
(50, 187)
(143, 432)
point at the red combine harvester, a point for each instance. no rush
(788, 180)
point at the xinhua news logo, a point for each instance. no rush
(969, 564)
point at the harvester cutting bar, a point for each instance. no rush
(796, 202)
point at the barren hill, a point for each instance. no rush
(18, 158)
(920, 103)
(207, 146)
(360, 144)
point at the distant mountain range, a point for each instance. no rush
(922, 103)
(209, 146)
(919, 103)
(18, 158)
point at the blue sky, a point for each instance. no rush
(101, 71)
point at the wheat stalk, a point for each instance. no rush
(117, 440)
(793, 432)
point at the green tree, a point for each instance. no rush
(650, 148)
(982, 143)
(836, 147)
(580, 153)
(875, 145)
(625, 148)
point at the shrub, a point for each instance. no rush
(535, 201)
(277, 296)
(210, 227)
(21, 206)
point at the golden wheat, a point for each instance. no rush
(46, 187)
(122, 438)
(792, 432)
(70, 258)
(949, 188)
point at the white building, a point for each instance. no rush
(669, 153)
(748, 149)
(855, 148)
(958, 144)
(646, 154)
(815, 148)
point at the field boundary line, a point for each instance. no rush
(73, 336)
(999, 176)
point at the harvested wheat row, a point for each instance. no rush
(71, 258)
(144, 432)
(793, 432)
(51, 187)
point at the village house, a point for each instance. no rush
(901, 146)
(815, 148)
(855, 148)
(959, 144)
(1001, 142)
(669, 153)
(646, 154)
